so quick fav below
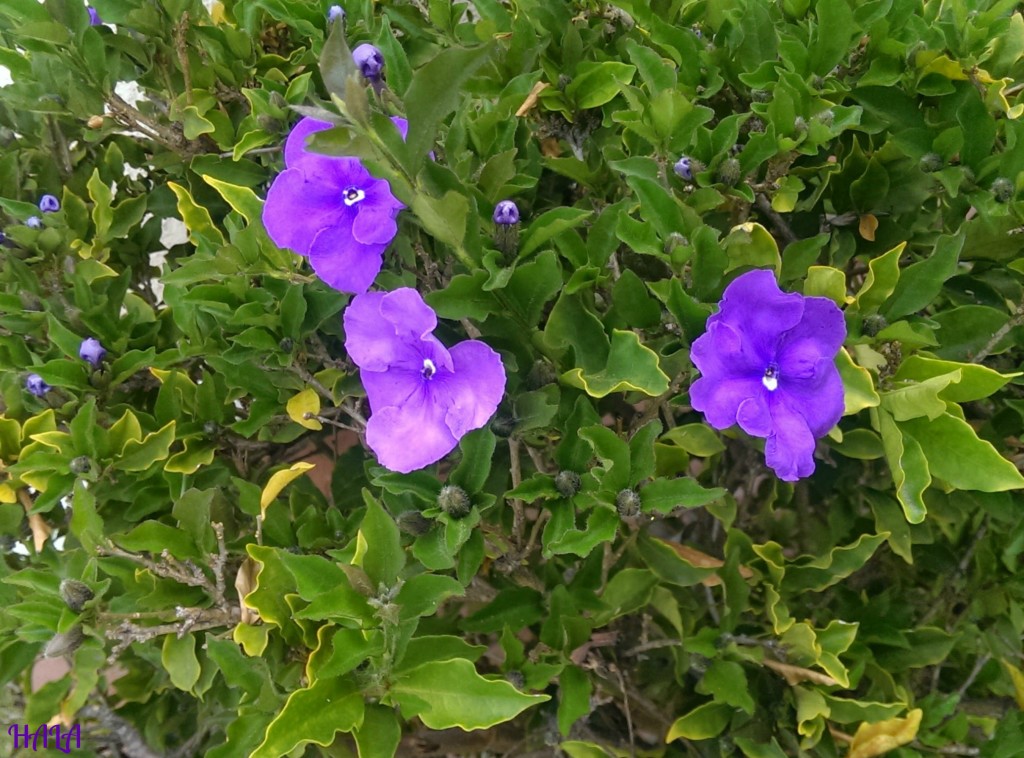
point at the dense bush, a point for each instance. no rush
(196, 516)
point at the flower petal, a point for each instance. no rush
(819, 397)
(472, 390)
(401, 125)
(760, 311)
(393, 329)
(412, 435)
(296, 211)
(393, 387)
(295, 146)
(790, 448)
(720, 399)
(754, 415)
(344, 263)
(373, 226)
(723, 352)
(819, 334)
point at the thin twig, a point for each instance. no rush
(517, 504)
(780, 224)
(1015, 320)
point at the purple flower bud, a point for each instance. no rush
(684, 168)
(506, 213)
(49, 204)
(35, 384)
(33, 222)
(92, 351)
(94, 17)
(370, 61)
(334, 13)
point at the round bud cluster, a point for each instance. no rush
(80, 465)
(75, 594)
(516, 679)
(729, 172)
(568, 483)
(826, 117)
(503, 424)
(930, 162)
(800, 124)
(1003, 189)
(760, 95)
(454, 501)
(627, 502)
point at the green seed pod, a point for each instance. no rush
(75, 594)
(930, 163)
(454, 501)
(628, 503)
(64, 644)
(414, 523)
(729, 172)
(1003, 189)
(567, 483)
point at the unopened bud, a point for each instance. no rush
(286, 345)
(729, 171)
(503, 425)
(94, 122)
(628, 503)
(760, 95)
(930, 162)
(567, 483)
(414, 523)
(516, 679)
(75, 594)
(454, 501)
(80, 465)
(369, 60)
(64, 644)
(1003, 189)
(826, 117)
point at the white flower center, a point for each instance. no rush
(429, 369)
(353, 195)
(770, 380)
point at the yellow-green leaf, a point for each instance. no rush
(307, 401)
(315, 715)
(702, 723)
(858, 386)
(178, 656)
(279, 481)
(883, 736)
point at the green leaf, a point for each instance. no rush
(703, 722)
(919, 398)
(751, 245)
(384, 557)
(696, 439)
(447, 694)
(380, 732)
(908, 465)
(86, 523)
(883, 275)
(435, 91)
(549, 225)
(727, 682)
(631, 366)
(421, 594)
(822, 572)
(597, 83)
(602, 526)
(241, 199)
(858, 386)
(155, 537)
(832, 34)
(477, 452)
(574, 690)
(314, 714)
(139, 456)
(178, 657)
(444, 218)
(975, 382)
(664, 495)
(825, 281)
(921, 282)
(956, 455)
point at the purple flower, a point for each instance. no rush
(329, 208)
(767, 364)
(684, 168)
(92, 351)
(423, 397)
(506, 213)
(369, 60)
(36, 385)
(33, 222)
(94, 17)
(334, 13)
(49, 204)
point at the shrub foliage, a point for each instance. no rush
(197, 528)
